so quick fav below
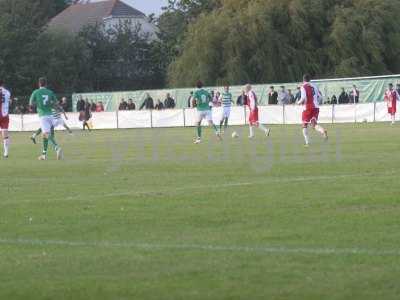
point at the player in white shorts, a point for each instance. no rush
(4, 117)
(203, 104)
(57, 121)
(226, 100)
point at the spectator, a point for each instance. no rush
(13, 104)
(123, 105)
(148, 103)
(169, 102)
(190, 101)
(298, 95)
(355, 94)
(398, 88)
(80, 105)
(99, 107)
(159, 105)
(241, 100)
(92, 106)
(87, 115)
(343, 97)
(131, 105)
(291, 97)
(217, 99)
(283, 97)
(64, 104)
(272, 96)
(334, 100)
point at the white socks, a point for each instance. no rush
(393, 119)
(263, 128)
(251, 128)
(6, 144)
(320, 129)
(305, 133)
(260, 126)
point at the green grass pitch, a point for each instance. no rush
(145, 214)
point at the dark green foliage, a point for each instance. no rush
(219, 41)
(120, 59)
(277, 40)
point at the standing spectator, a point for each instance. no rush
(343, 97)
(298, 95)
(80, 105)
(217, 99)
(13, 104)
(92, 106)
(131, 105)
(169, 102)
(159, 105)
(123, 105)
(64, 104)
(86, 115)
(241, 100)
(334, 100)
(99, 107)
(283, 97)
(272, 96)
(291, 97)
(190, 100)
(355, 94)
(148, 103)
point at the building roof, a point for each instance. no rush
(76, 16)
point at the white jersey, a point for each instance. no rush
(4, 101)
(252, 100)
(310, 96)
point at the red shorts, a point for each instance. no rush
(253, 117)
(310, 116)
(4, 122)
(392, 110)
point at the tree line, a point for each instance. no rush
(218, 41)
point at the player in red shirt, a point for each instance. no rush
(4, 118)
(310, 100)
(251, 102)
(391, 98)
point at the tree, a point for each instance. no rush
(278, 40)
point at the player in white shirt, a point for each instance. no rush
(391, 98)
(310, 99)
(251, 102)
(4, 117)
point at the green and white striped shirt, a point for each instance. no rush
(56, 114)
(226, 99)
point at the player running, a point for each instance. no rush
(4, 117)
(226, 100)
(310, 99)
(251, 102)
(58, 122)
(391, 98)
(203, 103)
(46, 102)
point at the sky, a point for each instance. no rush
(147, 6)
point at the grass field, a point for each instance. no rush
(145, 214)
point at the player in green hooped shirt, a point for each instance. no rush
(46, 102)
(203, 100)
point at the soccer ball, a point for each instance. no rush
(235, 135)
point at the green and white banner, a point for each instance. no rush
(371, 90)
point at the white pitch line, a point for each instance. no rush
(202, 187)
(235, 184)
(279, 250)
